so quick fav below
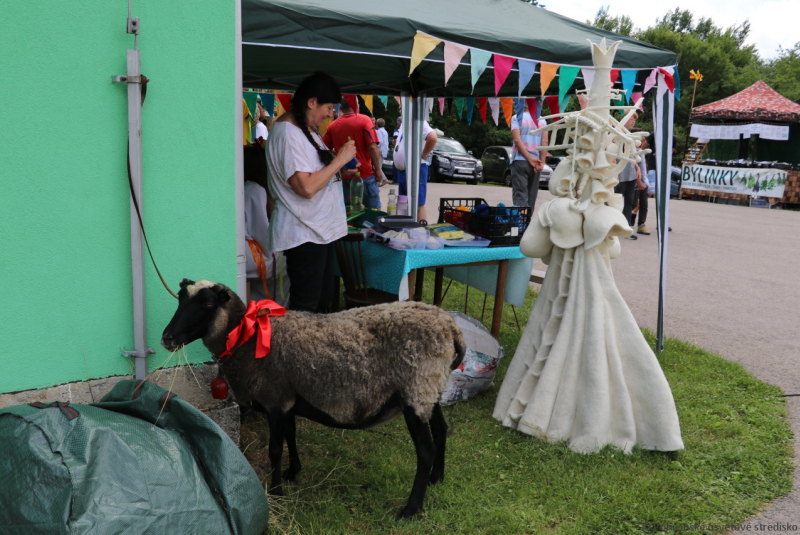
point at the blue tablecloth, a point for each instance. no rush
(388, 269)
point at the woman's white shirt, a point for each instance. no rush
(295, 219)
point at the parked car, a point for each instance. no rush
(674, 184)
(451, 161)
(496, 167)
(387, 167)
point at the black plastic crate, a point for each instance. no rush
(501, 225)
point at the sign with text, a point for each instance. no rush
(740, 180)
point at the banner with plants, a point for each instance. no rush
(741, 180)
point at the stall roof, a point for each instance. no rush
(759, 102)
(366, 44)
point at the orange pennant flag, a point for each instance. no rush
(508, 109)
(546, 74)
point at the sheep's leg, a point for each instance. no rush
(277, 428)
(291, 443)
(439, 431)
(423, 443)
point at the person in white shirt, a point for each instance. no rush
(309, 213)
(262, 133)
(429, 135)
(383, 140)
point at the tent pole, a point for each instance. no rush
(411, 134)
(664, 115)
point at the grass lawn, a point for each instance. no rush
(498, 481)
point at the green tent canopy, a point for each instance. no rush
(366, 44)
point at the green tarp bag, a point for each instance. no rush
(141, 461)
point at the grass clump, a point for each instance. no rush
(498, 481)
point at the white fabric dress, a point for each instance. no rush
(583, 372)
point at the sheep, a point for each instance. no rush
(351, 370)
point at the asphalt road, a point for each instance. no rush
(732, 289)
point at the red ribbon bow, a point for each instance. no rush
(257, 313)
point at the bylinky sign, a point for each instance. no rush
(740, 180)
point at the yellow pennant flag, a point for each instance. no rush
(368, 102)
(546, 74)
(423, 45)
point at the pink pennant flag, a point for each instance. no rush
(584, 100)
(398, 100)
(441, 105)
(614, 76)
(651, 80)
(635, 98)
(502, 67)
(452, 57)
(494, 104)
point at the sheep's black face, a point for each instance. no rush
(197, 306)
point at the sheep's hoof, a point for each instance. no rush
(290, 473)
(436, 476)
(408, 512)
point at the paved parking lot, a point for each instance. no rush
(733, 288)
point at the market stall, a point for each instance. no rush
(751, 149)
(418, 49)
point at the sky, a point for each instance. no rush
(772, 22)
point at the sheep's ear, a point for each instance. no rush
(186, 282)
(224, 296)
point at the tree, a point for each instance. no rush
(622, 24)
(783, 72)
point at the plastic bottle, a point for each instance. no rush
(356, 203)
(402, 205)
(391, 206)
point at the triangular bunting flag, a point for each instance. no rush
(482, 108)
(583, 100)
(384, 101)
(546, 74)
(534, 107)
(562, 104)
(614, 76)
(441, 105)
(519, 108)
(352, 100)
(470, 108)
(429, 104)
(368, 102)
(398, 101)
(552, 103)
(423, 45)
(508, 109)
(588, 76)
(268, 103)
(677, 78)
(502, 66)
(452, 57)
(566, 76)
(286, 101)
(478, 61)
(635, 98)
(526, 70)
(628, 81)
(494, 104)
(651, 80)
(460, 107)
(668, 78)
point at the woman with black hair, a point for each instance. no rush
(309, 213)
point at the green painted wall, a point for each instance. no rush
(65, 266)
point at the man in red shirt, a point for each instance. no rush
(359, 128)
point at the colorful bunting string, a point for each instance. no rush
(494, 104)
(352, 100)
(508, 108)
(368, 102)
(460, 107)
(470, 108)
(588, 76)
(479, 59)
(628, 82)
(526, 71)
(552, 104)
(566, 77)
(614, 76)
(482, 108)
(441, 105)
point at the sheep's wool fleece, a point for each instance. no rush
(350, 363)
(583, 372)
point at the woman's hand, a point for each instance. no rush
(346, 153)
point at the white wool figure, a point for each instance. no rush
(583, 372)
